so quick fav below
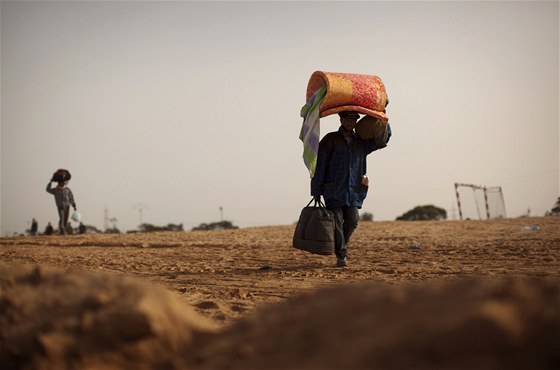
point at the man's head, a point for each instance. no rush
(348, 119)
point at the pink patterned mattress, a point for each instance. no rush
(365, 94)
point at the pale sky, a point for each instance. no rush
(187, 107)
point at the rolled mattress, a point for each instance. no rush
(364, 94)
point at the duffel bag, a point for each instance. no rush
(314, 231)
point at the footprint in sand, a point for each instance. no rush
(207, 305)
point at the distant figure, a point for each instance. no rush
(49, 229)
(64, 199)
(34, 227)
(82, 228)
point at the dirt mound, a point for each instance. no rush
(81, 320)
(509, 324)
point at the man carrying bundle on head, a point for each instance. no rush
(63, 197)
(340, 177)
(337, 163)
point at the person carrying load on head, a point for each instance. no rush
(64, 198)
(340, 177)
(337, 163)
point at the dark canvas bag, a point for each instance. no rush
(315, 229)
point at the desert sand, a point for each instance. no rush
(416, 295)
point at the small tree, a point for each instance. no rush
(149, 228)
(421, 213)
(555, 211)
(222, 225)
(366, 216)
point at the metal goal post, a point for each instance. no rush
(485, 191)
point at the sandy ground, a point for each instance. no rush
(470, 294)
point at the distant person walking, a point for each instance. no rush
(49, 229)
(64, 199)
(34, 227)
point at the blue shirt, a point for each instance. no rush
(341, 163)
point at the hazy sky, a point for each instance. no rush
(187, 107)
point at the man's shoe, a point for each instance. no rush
(341, 262)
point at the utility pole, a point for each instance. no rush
(113, 221)
(106, 218)
(140, 207)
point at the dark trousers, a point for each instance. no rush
(63, 213)
(346, 221)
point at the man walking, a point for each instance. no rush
(341, 178)
(64, 199)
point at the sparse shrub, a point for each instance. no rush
(422, 213)
(555, 211)
(149, 228)
(366, 216)
(222, 225)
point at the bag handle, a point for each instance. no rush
(318, 202)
